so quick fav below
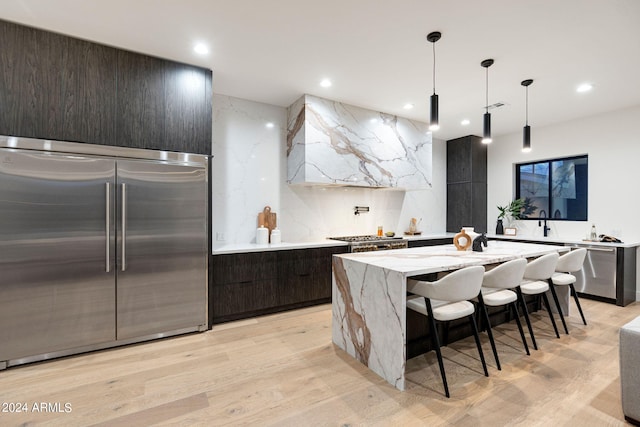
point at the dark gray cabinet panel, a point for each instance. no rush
(246, 267)
(626, 276)
(89, 92)
(305, 275)
(61, 88)
(187, 104)
(458, 206)
(466, 184)
(163, 105)
(251, 284)
(242, 285)
(429, 242)
(458, 161)
(231, 301)
(30, 82)
(467, 157)
(141, 103)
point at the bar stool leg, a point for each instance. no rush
(575, 297)
(514, 305)
(483, 309)
(557, 301)
(436, 344)
(553, 321)
(477, 337)
(526, 317)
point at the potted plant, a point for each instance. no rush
(511, 210)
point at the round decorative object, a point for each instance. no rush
(462, 241)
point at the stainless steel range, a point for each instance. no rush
(372, 243)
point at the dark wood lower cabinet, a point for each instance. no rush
(250, 284)
(430, 242)
(230, 300)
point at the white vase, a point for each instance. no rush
(472, 235)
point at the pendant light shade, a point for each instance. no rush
(486, 132)
(526, 139)
(526, 131)
(434, 122)
(486, 128)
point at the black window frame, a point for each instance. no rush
(549, 207)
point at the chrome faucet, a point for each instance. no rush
(544, 219)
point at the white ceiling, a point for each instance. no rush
(376, 53)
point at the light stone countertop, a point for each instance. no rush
(433, 259)
(228, 248)
(253, 247)
(563, 241)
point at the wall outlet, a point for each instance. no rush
(220, 237)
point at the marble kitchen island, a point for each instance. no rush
(369, 297)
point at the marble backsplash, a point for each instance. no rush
(250, 171)
(329, 142)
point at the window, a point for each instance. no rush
(556, 189)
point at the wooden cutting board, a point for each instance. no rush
(268, 219)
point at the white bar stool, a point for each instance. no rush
(445, 300)
(567, 264)
(537, 278)
(496, 291)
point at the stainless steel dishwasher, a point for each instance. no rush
(598, 274)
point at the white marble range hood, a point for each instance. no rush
(331, 143)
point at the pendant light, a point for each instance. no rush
(526, 131)
(486, 133)
(434, 123)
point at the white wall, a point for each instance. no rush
(249, 172)
(612, 142)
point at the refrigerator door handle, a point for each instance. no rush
(124, 227)
(108, 227)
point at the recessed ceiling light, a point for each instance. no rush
(465, 122)
(201, 49)
(584, 87)
(408, 106)
(270, 125)
(325, 83)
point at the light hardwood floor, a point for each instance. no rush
(283, 370)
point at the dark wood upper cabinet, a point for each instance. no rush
(89, 92)
(186, 95)
(466, 184)
(163, 105)
(141, 102)
(466, 160)
(30, 82)
(62, 88)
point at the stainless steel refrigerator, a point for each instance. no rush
(99, 246)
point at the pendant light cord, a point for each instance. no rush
(434, 68)
(526, 117)
(486, 105)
